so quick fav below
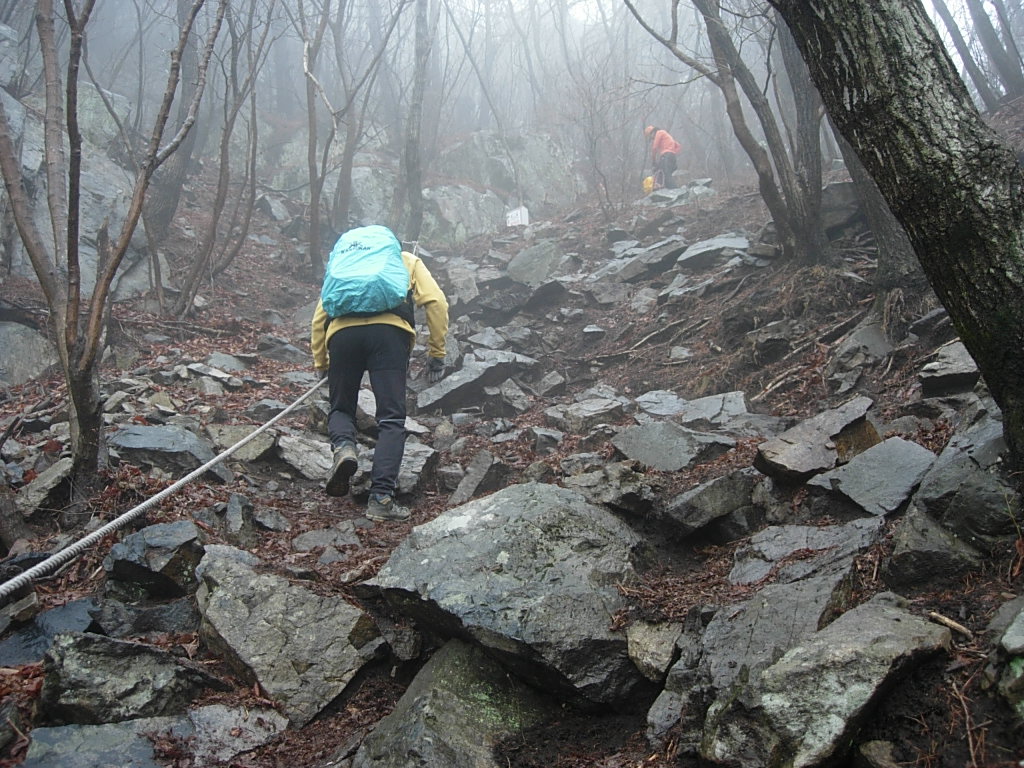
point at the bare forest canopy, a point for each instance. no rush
(583, 71)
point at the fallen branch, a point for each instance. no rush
(737, 288)
(654, 334)
(777, 382)
(947, 622)
(968, 724)
(837, 330)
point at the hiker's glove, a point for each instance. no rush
(435, 370)
(321, 373)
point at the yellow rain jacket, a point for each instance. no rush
(426, 293)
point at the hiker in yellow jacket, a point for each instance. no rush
(346, 347)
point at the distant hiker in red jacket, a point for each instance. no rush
(664, 152)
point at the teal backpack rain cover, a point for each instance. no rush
(365, 273)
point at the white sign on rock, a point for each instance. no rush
(517, 217)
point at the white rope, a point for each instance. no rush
(73, 550)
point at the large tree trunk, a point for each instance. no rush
(311, 52)
(894, 94)
(804, 201)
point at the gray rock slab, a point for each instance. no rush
(27, 354)
(1012, 639)
(42, 493)
(91, 679)
(661, 403)
(713, 410)
(696, 508)
(341, 535)
(224, 436)
(865, 345)
(723, 663)
(617, 486)
(160, 558)
(817, 693)
(535, 264)
(641, 263)
(286, 353)
(772, 550)
(117, 619)
(264, 410)
(485, 474)
(310, 456)
(579, 418)
(418, 462)
(208, 371)
(652, 647)
(669, 447)
(925, 553)
(953, 370)
(1005, 615)
(965, 489)
(489, 338)
(233, 519)
(881, 479)
(819, 443)
(173, 449)
(529, 573)
(216, 734)
(707, 252)
(301, 647)
(465, 386)
(228, 362)
(28, 644)
(453, 713)
(746, 638)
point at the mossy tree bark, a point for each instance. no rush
(955, 186)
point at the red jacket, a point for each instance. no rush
(663, 143)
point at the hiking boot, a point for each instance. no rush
(384, 509)
(344, 466)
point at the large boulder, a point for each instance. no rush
(27, 354)
(94, 679)
(301, 647)
(817, 694)
(529, 169)
(457, 708)
(530, 573)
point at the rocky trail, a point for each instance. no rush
(616, 317)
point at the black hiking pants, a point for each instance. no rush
(383, 352)
(667, 165)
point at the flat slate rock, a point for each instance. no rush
(818, 444)
(882, 478)
(665, 446)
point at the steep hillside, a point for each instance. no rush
(634, 349)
